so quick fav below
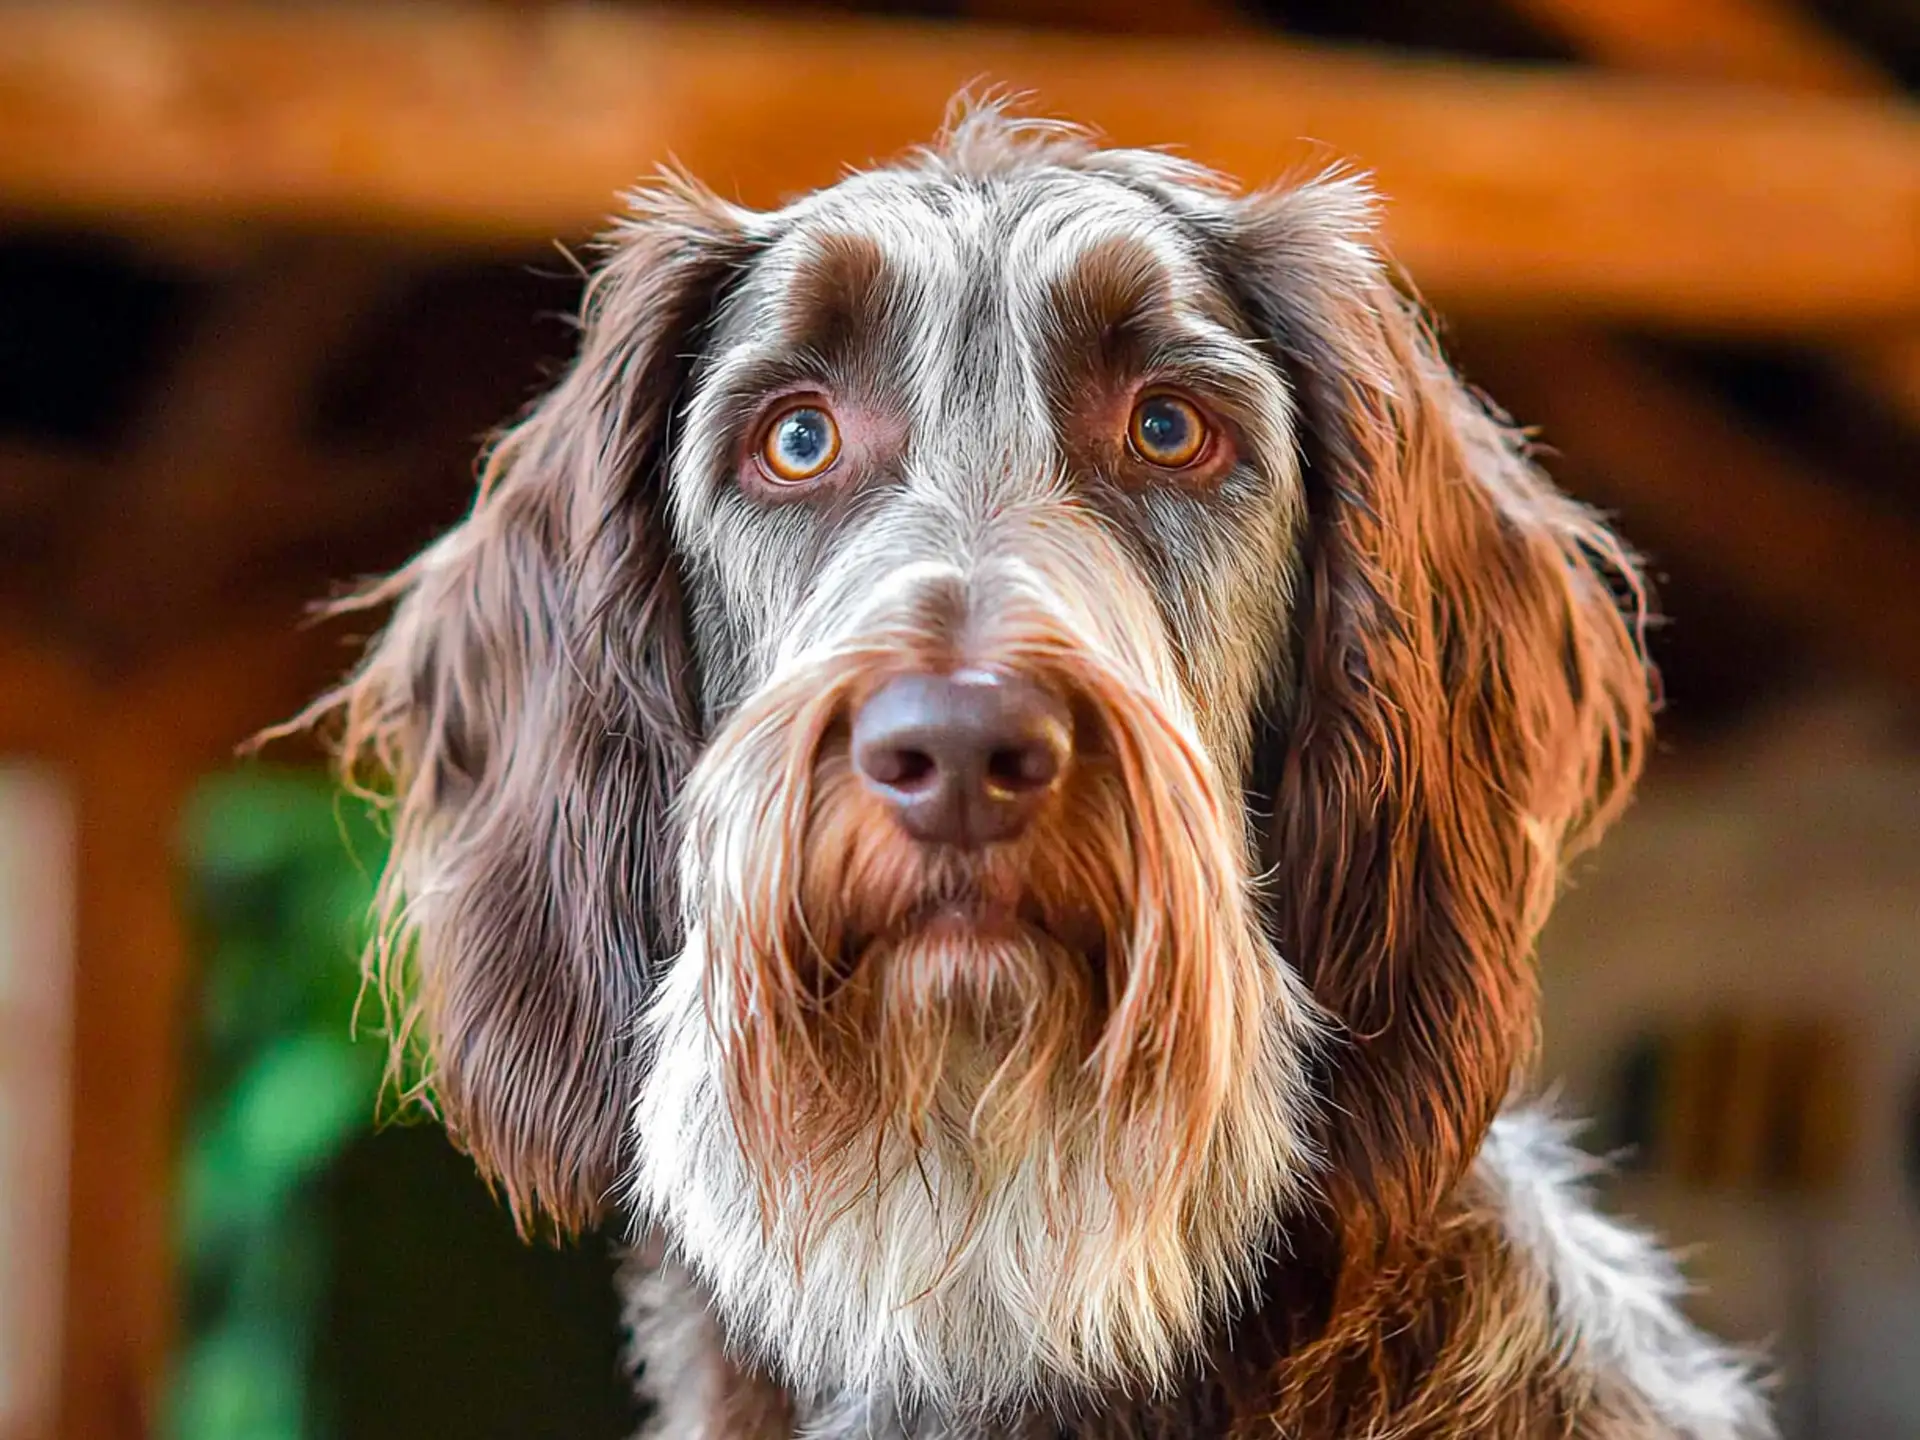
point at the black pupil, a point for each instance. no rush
(1165, 427)
(803, 440)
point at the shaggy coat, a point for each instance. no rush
(1184, 1109)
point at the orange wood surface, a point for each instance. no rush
(1760, 42)
(1765, 42)
(1511, 189)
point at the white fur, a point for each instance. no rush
(894, 1300)
(1615, 1292)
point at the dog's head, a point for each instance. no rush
(1005, 728)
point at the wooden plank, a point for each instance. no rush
(1889, 366)
(131, 969)
(1763, 42)
(1693, 481)
(33, 478)
(1124, 17)
(1759, 41)
(44, 694)
(36, 981)
(1512, 189)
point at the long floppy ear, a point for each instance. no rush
(528, 709)
(1469, 706)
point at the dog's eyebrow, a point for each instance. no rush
(836, 297)
(1123, 307)
(1108, 289)
(1116, 304)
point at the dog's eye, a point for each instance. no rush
(1167, 431)
(801, 443)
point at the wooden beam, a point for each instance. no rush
(1693, 481)
(34, 477)
(130, 748)
(1511, 189)
(1763, 42)
(44, 694)
(132, 755)
(1889, 366)
(1119, 17)
(131, 971)
(1759, 41)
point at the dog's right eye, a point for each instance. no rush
(1168, 431)
(801, 444)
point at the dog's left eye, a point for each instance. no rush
(801, 443)
(1167, 431)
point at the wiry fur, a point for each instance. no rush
(1001, 1188)
(1178, 1114)
(1614, 1292)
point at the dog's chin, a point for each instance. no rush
(975, 942)
(969, 925)
(963, 1028)
(970, 1243)
(963, 928)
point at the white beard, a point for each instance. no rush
(895, 1295)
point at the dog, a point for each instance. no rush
(983, 773)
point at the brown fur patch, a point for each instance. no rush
(1473, 706)
(838, 297)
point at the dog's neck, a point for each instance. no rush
(1270, 1356)
(1517, 1301)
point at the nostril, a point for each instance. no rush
(901, 768)
(1016, 769)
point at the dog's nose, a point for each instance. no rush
(963, 759)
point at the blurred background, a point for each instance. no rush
(267, 274)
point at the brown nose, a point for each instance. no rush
(963, 759)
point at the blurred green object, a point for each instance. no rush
(280, 878)
(343, 1282)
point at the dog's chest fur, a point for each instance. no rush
(1524, 1314)
(694, 1390)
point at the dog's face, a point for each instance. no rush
(1006, 729)
(988, 507)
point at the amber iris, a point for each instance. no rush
(1167, 431)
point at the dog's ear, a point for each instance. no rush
(527, 714)
(1468, 705)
